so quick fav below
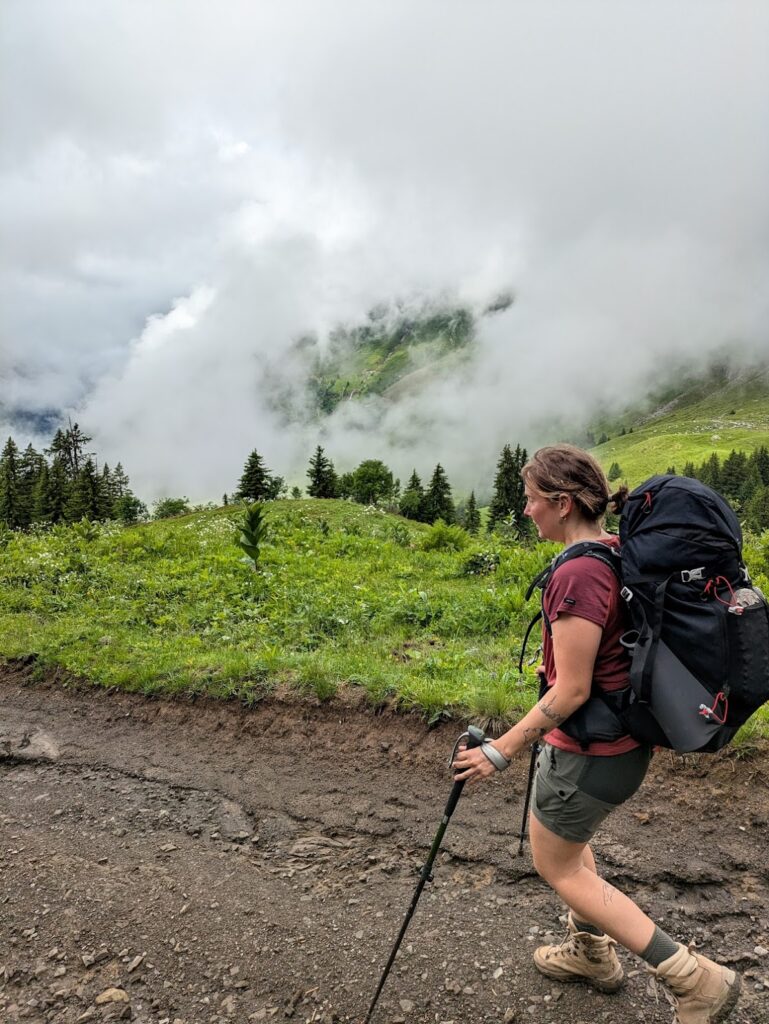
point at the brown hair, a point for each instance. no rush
(566, 469)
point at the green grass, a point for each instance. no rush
(346, 597)
(714, 413)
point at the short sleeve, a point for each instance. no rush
(583, 587)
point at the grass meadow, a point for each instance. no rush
(415, 618)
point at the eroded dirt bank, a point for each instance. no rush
(196, 863)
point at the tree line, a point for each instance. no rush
(62, 484)
(742, 479)
(373, 483)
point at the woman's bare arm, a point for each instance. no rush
(575, 646)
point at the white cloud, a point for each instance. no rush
(286, 167)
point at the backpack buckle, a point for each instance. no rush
(626, 594)
(687, 575)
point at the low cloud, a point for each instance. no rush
(187, 190)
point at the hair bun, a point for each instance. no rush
(618, 499)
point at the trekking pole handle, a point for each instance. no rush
(475, 738)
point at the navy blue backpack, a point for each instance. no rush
(700, 630)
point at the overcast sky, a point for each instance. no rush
(186, 187)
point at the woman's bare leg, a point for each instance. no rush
(569, 868)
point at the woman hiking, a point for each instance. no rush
(580, 780)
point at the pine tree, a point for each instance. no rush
(57, 492)
(85, 500)
(615, 472)
(509, 498)
(411, 505)
(733, 474)
(108, 494)
(671, 471)
(31, 463)
(761, 459)
(750, 484)
(710, 472)
(689, 470)
(323, 479)
(438, 503)
(472, 517)
(758, 510)
(70, 445)
(41, 507)
(119, 481)
(255, 482)
(10, 512)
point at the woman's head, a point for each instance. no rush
(564, 469)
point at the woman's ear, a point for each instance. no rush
(565, 505)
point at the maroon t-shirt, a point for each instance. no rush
(588, 588)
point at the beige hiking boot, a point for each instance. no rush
(704, 992)
(582, 957)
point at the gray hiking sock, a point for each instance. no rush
(661, 947)
(583, 926)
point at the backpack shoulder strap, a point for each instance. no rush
(590, 548)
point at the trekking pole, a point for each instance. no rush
(523, 834)
(474, 738)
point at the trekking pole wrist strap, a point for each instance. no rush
(496, 757)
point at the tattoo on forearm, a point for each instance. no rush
(548, 710)
(529, 735)
(608, 893)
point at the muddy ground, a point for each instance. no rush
(199, 863)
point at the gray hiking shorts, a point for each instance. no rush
(574, 793)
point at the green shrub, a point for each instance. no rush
(482, 563)
(441, 537)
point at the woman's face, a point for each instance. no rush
(545, 513)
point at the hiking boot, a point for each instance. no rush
(582, 957)
(703, 992)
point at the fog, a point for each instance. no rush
(187, 188)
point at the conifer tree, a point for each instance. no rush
(85, 499)
(671, 471)
(472, 517)
(255, 482)
(689, 470)
(323, 479)
(30, 468)
(438, 503)
(70, 445)
(733, 474)
(412, 501)
(615, 472)
(761, 459)
(41, 507)
(509, 498)
(710, 472)
(119, 481)
(751, 482)
(758, 510)
(57, 492)
(10, 512)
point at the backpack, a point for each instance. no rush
(699, 642)
(700, 631)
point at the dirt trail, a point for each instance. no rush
(201, 863)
